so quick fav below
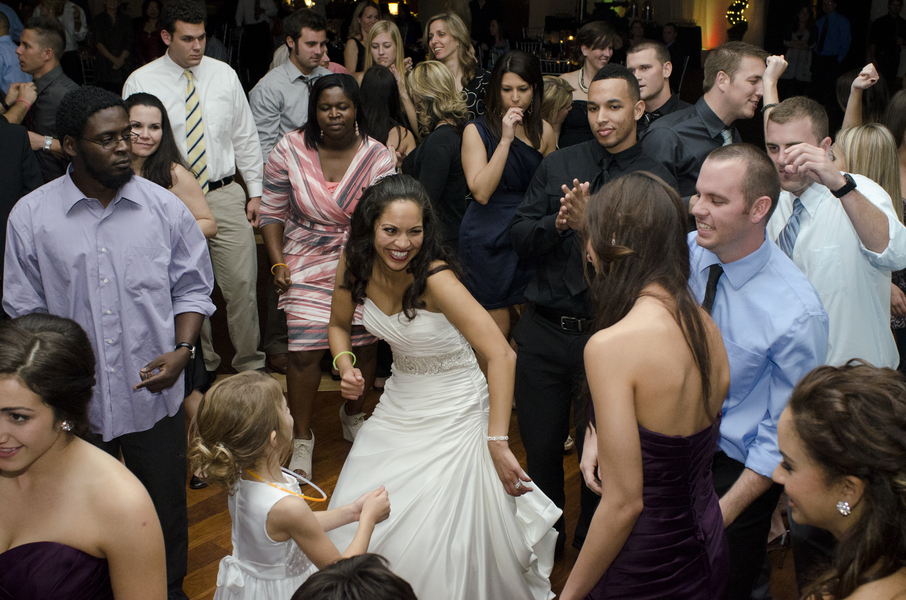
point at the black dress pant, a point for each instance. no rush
(748, 534)
(550, 376)
(158, 458)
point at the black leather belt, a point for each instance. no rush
(216, 185)
(564, 321)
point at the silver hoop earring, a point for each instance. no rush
(843, 507)
(66, 426)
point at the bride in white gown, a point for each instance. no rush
(466, 523)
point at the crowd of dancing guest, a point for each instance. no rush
(458, 215)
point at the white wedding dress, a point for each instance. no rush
(453, 532)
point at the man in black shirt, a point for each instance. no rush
(552, 334)
(650, 63)
(885, 42)
(733, 88)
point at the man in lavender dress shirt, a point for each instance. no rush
(125, 259)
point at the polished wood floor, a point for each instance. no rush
(209, 519)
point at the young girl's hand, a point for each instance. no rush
(353, 384)
(376, 507)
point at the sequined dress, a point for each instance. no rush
(260, 567)
(453, 532)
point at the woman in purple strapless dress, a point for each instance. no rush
(657, 375)
(75, 524)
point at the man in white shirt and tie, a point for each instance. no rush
(216, 133)
(842, 232)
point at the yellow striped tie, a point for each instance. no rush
(195, 134)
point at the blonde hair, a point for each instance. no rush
(355, 28)
(233, 427)
(871, 150)
(433, 88)
(390, 28)
(458, 30)
(558, 94)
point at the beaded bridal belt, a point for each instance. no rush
(431, 365)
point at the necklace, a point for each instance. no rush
(299, 477)
(582, 85)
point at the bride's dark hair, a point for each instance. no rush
(359, 251)
(636, 226)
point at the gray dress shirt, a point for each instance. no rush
(279, 103)
(683, 140)
(42, 119)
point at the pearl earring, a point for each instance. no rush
(66, 426)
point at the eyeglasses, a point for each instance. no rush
(112, 142)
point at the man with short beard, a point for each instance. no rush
(125, 259)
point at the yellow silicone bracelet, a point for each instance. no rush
(339, 354)
(278, 265)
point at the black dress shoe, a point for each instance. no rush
(196, 483)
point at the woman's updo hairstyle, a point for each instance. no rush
(852, 422)
(232, 429)
(53, 358)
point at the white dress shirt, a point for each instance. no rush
(73, 35)
(853, 281)
(231, 139)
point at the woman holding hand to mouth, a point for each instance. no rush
(594, 47)
(438, 437)
(437, 161)
(843, 442)
(449, 42)
(500, 153)
(74, 523)
(312, 182)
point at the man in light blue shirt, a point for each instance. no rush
(15, 23)
(10, 71)
(775, 331)
(125, 259)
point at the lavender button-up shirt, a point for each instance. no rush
(122, 273)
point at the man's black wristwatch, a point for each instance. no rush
(186, 345)
(850, 186)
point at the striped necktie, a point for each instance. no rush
(727, 135)
(198, 164)
(787, 238)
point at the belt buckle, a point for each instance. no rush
(570, 324)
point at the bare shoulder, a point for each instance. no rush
(572, 78)
(892, 587)
(116, 492)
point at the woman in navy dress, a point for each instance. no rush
(657, 375)
(500, 153)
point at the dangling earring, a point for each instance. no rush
(66, 426)
(322, 134)
(530, 107)
(843, 507)
(357, 128)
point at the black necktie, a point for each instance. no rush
(714, 273)
(602, 176)
(820, 48)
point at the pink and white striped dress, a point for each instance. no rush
(316, 227)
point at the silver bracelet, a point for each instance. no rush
(498, 438)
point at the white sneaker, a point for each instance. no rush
(351, 423)
(301, 460)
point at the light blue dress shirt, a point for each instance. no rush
(775, 331)
(122, 273)
(10, 71)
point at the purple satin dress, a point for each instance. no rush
(677, 548)
(53, 571)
